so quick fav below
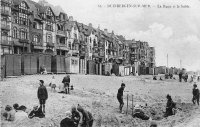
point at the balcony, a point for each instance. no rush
(110, 56)
(50, 44)
(82, 53)
(5, 27)
(38, 45)
(75, 52)
(62, 46)
(6, 42)
(5, 12)
(23, 40)
(83, 43)
(101, 54)
(95, 54)
(6, 1)
(133, 53)
(100, 45)
(95, 45)
(60, 33)
(76, 41)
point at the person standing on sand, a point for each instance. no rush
(66, 82)
(42, 95)
(195, 93)
(120, 96)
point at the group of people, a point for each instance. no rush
(170, 106)
(64, 87)
(19, 113)
(77, 117)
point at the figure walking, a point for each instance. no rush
(120, 97)
(66, 82)
(195, 93)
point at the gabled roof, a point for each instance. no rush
(121, 38)
(130, 43)
(33, 7)
(69, 25)
(18, 2)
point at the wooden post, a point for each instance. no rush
(127, 105)
(132, 105)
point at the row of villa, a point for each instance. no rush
(28, 27)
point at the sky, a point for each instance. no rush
(173, 31)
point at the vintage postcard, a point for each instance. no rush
(100, 63)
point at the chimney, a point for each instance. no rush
(90, 25)
(106, 30)
(71, 18)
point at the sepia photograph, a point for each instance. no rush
(100, 63)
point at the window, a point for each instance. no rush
(58, 27)
(90, 49)
(49, 12)
(49, 38)
(35, 25)
(74, 62)
(35, 38)
(106, 51)
(23, 33)
(49, 26)
(90, 40)
(69, 45)
(14, 33)
(75, 35)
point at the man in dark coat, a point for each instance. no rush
(195, 93)
(66, 81)
(42, 95)
(68, 121)
(180, 76)
(120, 96)
(169, 107)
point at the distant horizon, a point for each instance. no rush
(173, 31)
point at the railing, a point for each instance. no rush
(5, 42)
(101, 54)
(6, 1)
(62, 45)
(75, 40)
(60, 32)
(37, 44)
(23, 40)
(50, 44)
(5, 12)
(75, 51)
(95, 54)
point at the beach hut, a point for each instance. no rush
(58, 64)
(12, 64)
(29, 63)
(91, 67)
(72, 64)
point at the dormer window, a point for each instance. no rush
(49, 12)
